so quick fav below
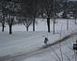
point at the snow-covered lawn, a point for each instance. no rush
(21, 42)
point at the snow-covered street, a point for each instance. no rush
(25, 46)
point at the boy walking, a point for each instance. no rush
(45, 40)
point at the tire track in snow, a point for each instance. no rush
(37, 51)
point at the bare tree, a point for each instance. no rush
(30, 9)
(35, 7)
(65, 12)
(3, 10)
(26, 21)
(47, 7)
(50, 8)
(11, 13)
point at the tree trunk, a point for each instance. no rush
(54, 26)
(34, 24)
(48, 24)
(3, 24)
(10, 25)
(67, 24)
(27, 28)
(10, 28)
(3, 27)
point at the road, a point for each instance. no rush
(59, 52)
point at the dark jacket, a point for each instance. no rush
(46, 40)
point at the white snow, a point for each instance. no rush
(21, 42)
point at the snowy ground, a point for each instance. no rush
(22, 42)
(52, 53)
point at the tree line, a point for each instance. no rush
(26, 11)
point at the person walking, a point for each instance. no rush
(45, 40)
(76, 41)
